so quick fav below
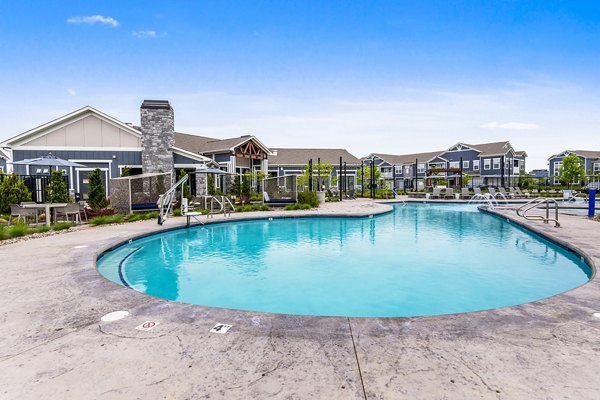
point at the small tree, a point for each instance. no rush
(57, 189)
(125, 171)
(571, 170)
(367, 176)
(236, 187)
(12, 191)
(187, 192)
(246, 183)
(210, 182)
(96, 194)
(466, 178)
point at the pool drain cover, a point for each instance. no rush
(114, 316)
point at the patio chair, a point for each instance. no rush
(492, 191)
(512, 192)
(70, 210)
(449, 193)
(20, 212)
(436, 193)
(33, 211)
(464, 193)
(82, 207)
(477, 191)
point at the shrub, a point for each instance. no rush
(61, 226)
(309, 198)
(297, 206)
(177, 212)
(12, 191)
(91, 213)
(17, 230)
(57, 189)
(107, 219)
(96, 194)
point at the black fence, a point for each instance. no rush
(38, 185)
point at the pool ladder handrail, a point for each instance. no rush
(536, 203)
(165, 201)
(225, 206)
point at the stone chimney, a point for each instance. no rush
(158, 136)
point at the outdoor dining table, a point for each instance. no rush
(46, 207)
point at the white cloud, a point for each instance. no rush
(509, 125)
(71, 92)
(93, 19)
(148, 34)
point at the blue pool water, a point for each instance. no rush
(419, 260)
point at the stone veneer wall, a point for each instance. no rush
(158, 136)
(201, 185)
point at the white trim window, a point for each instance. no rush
(454, 164)
(496, 163)
(597, 167)
(557, 165)
(407, 169)
(475, 165)
(487, 164)
(466, 164)
(398, 169)
(421, 168)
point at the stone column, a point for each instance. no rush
(201, 184)
(158, 136)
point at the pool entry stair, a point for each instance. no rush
(537, 203)
(215, 204)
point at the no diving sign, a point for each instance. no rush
(220, 328)
(147, 326)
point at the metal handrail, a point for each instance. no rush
(223, 203)
(535, 203)
(165, 201)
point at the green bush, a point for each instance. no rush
(12, 191)
(309, 198)
(61, 226)
(177, 212)
(252, 207)
(297, 206)
(107, 219)
(57, 189)
(96, 194)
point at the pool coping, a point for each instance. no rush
(54, 345)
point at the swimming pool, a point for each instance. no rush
(420, 259)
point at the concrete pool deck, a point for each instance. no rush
(54, 346)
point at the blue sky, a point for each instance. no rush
(372, 76)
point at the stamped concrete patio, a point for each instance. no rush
(53, 345)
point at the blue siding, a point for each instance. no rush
(120, 158)
(224, 157)
(179, 159)
(3, 164)
(466, 155)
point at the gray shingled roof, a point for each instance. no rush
(587, 153)
(203, 145)
(407, 158)
(492, 149)
(288, 156)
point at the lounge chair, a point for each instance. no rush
(464, 194)
(503, 192)
(436, 193)
(523, 194)
(449, 194)
(477, 191)
(513, 193)
(492, 191)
